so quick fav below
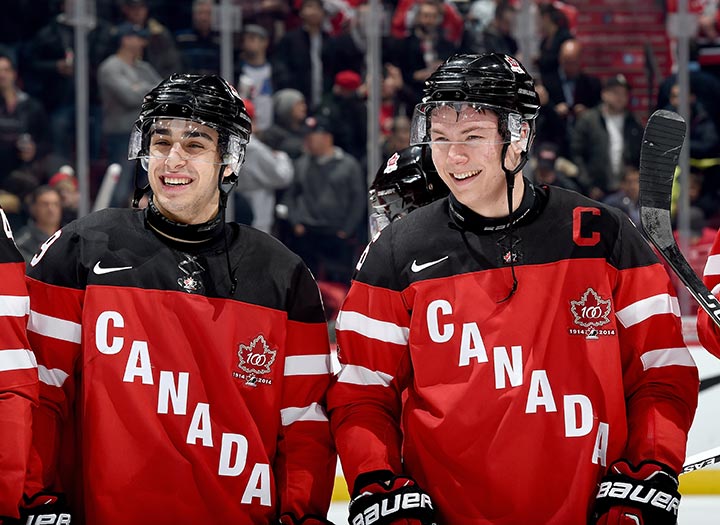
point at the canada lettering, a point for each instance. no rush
(172, 398)
(507, 363)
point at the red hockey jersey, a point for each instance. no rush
(708, 332)
(164, 397)
(18, 374)
(514, 406)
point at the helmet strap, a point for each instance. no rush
(139, 191)
(510, 184)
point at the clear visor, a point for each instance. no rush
(444, 123)
(186, 140)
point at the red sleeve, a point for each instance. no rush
(659, 374)
(306, 458)
(18, 375)
(365, 399)
(708, 331)
(54, 331)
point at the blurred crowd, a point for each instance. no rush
(300, 64)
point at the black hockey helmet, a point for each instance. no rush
(405, 182)
(493, 81)
(206, 99)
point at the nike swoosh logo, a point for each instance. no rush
(419, 267)
(98, 270)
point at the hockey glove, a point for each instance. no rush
(646, 495)
(43, 509)
(382, 498)
(290, 519)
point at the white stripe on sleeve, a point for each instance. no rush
(372, 328)
(53, 376)
(54, 327)
(667, 357)
(712, 267)
(14, 305)
(307, 365)
(314, 412)
(646, 308)
(17, 359)
(359, 375)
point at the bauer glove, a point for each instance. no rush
(646, 495)
(44, 508)
(381, 498)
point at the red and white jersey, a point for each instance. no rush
(164, 397)
(18, 374)
(508, 410)
(708, 332)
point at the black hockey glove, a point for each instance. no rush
(290, 519)
(44, 508)
(646, 495)
(381, 498)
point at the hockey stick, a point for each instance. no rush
(661, 145)
(701, 460)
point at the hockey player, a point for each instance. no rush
(708, 332)
(18, 375)
(511, 354)
(406, 181)
(186, 360)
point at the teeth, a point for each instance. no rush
(465, 175)
(172, 181)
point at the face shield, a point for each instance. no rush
(189, 140)
(442, 124)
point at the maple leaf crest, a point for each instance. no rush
(257, 357)
(591, 310)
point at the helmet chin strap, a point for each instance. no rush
(225, 190)
(510, 184)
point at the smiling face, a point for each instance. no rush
(467, 153)
(183, 167)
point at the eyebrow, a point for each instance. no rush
(187, 135)
(466, 129)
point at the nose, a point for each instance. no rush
(457, 153)
(176, 156)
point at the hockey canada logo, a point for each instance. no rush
(254, 361)
(590, 313)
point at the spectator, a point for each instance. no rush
(553, 32)
(256, 75)
(269, 14)
(348, 112)
(66, 184)
(399, 137)
(570, 89)
(45, 219)
(50, 78)
(627, 198)
(606, 138)
(547, 171)
(326, 204)
(703, 133)
(124, 80)
(287, 132)
(497, 35)
(161, 51)
(300, 56)
(264, 171)
(199, 45)
(23, 124)
(396, 98)
(406, 12)
(425, 48)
